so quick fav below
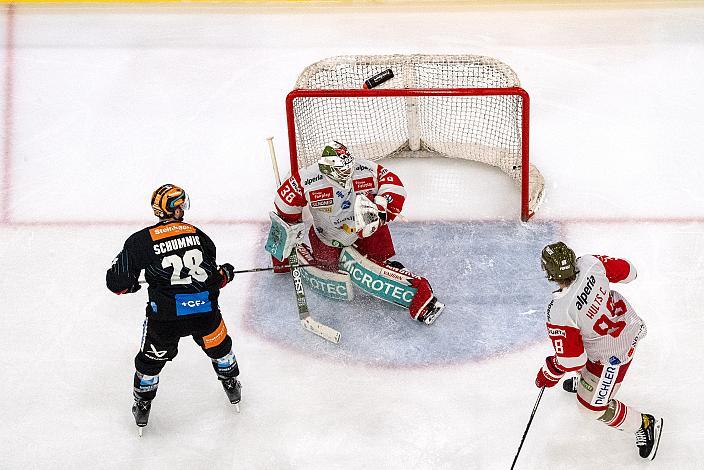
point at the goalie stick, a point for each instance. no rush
(307, 321)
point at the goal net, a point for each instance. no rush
(458, 106)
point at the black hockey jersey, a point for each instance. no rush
(179, 265)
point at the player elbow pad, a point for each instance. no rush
(632, 274)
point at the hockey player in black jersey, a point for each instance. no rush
(184, 281)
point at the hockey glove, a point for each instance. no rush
(550, 374)
(130, 290)
(227, 272)
(369, 214)
(283, 236)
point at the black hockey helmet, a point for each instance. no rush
(559, 262)
(166, 198)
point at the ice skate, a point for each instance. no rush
(570, 385)
(433, 311)
(232, 388)
(140, 410)
(648, 436)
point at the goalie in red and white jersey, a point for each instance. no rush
(594, 332)
(351, 201)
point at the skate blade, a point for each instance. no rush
(237, 407)
(140, 429)
(658, 433)
(437, 310)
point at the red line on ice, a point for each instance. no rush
(6, 187)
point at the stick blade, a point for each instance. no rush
(321, 330)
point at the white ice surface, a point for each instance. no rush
(109, 103)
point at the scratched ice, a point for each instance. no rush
(488, 275)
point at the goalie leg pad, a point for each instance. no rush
(382, 281)
(334, 285)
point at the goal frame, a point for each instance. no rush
(526, 213)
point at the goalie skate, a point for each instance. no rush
(432, 312)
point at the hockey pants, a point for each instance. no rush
(160, 344)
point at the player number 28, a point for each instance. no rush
(191, 261)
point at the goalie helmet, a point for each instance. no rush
(337, 163)
(167, 198)
(559, 262)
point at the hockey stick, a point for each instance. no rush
(256, 270)
(307, 321)
(535, 408)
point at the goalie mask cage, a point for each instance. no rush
(457, 106)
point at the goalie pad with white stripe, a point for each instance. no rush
(383, 282)
(333, 285)
(282, 237)
(392, 284)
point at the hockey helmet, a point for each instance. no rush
(337, 163)
(559, 262)
(167, 198)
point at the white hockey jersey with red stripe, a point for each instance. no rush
(589, 321)
(331, 204)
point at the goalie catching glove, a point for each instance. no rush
(369, 214)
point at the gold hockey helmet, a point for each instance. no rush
(167, 198)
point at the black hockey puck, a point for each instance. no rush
(378, 79)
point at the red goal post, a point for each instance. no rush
(480, 123)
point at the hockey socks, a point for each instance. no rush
(226, 366)
(145, 386)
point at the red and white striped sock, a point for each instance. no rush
(621, 416)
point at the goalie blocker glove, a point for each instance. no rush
(284, 236)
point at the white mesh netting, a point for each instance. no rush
(486, 129)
